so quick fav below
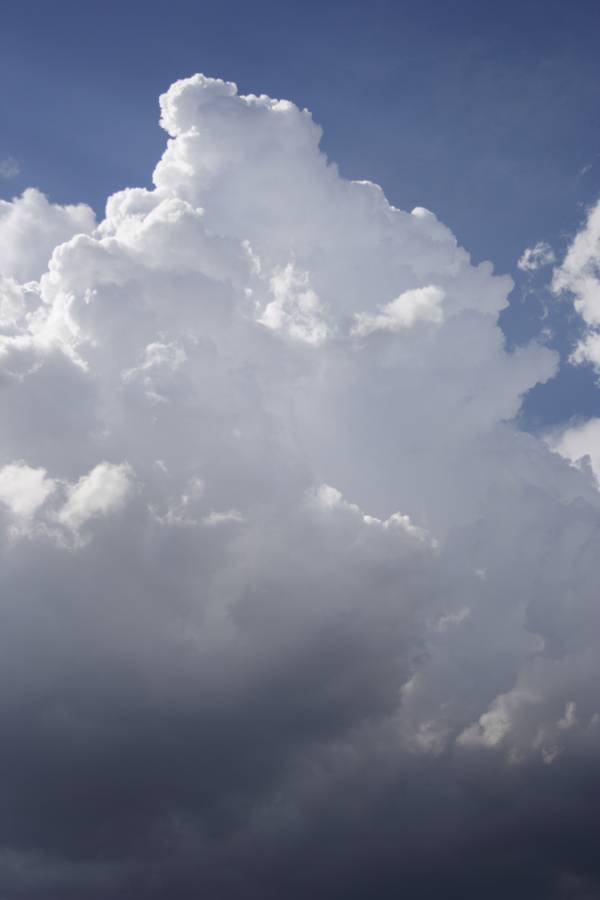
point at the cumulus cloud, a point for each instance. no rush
(23, 489)
(30, 229)
(100, 492)
(579, 276)
(290, 605)
(580, 444)
(419, 305)
(296, 308)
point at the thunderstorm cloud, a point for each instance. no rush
(290, 606)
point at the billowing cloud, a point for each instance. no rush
(581, 444)
(419, 305)
(30, 229)
(579, 276)
(23, 489)
(290, 606)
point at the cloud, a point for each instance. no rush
(9, 167)
(580, 444)
(579, 275)
(30, 229)
(99, 493)
(23, 489)
(296, 308)
(290, 605)
(418, 305)
(536, 257)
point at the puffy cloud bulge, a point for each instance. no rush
(290, 606)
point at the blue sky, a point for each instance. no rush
(486, 114)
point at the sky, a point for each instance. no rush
(300, 454)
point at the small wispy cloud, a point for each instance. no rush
(9, 167)
(589, 166)
(541, 254)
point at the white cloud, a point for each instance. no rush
(99, 493)
(419, 305)
(296, 308)
(30, 229)
(24, 489)
(38, 503)
(158, 320)
(579, 443)
(536, 257)
(579, 275)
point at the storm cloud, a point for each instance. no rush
(290, 606)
